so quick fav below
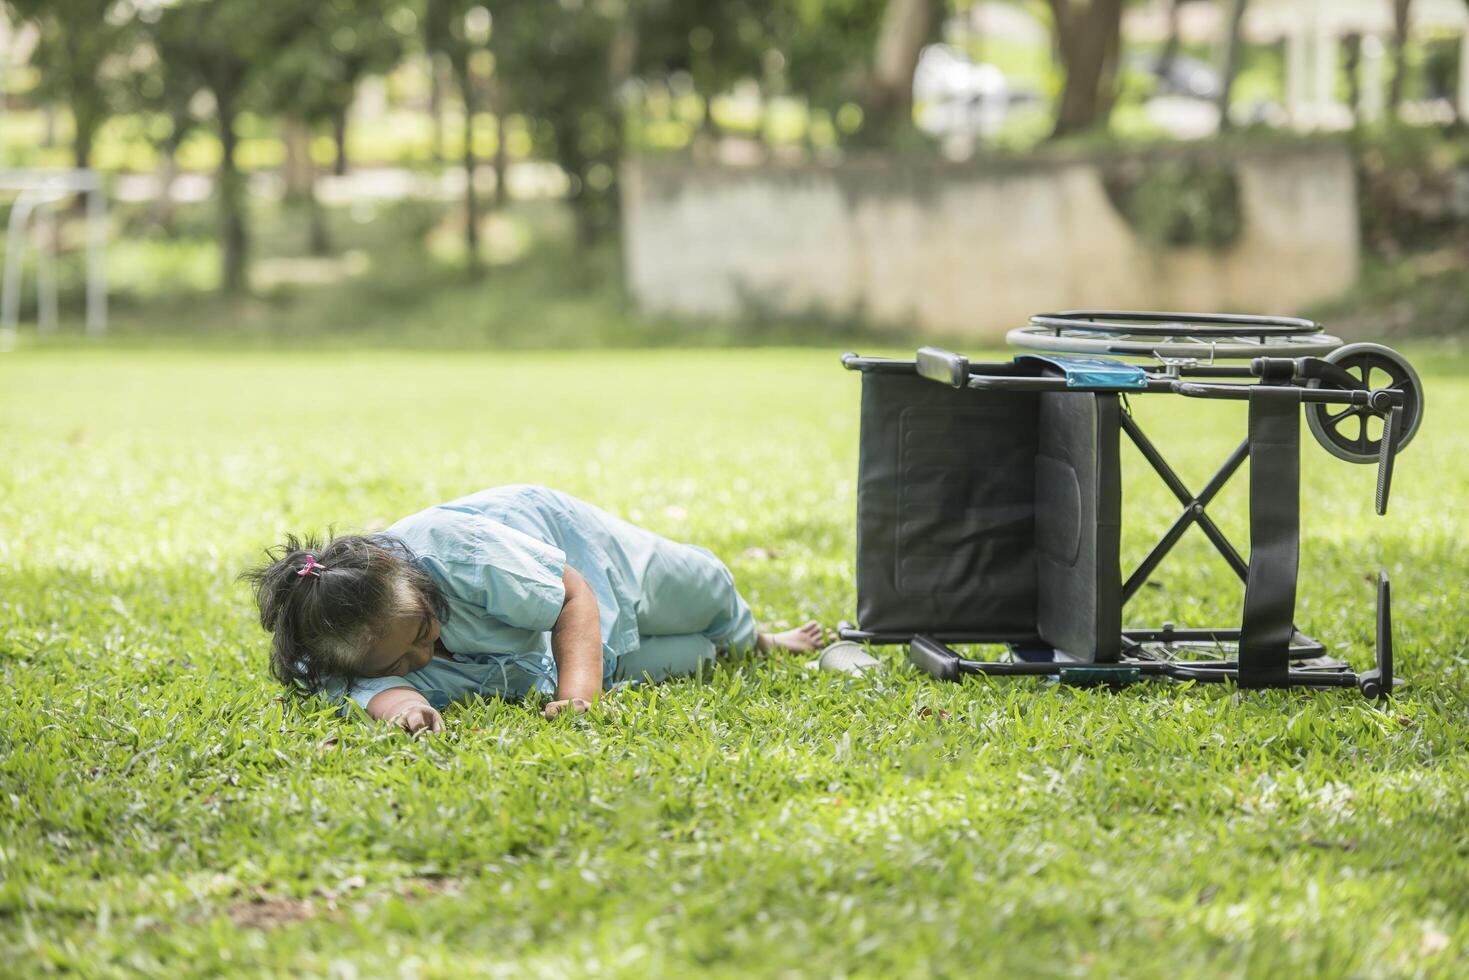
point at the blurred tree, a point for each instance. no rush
(1230, 68)
(1439, 70)
(227, 49)
(163, 92)
(716, 43)
(887, 89)
(459, 31)
(1351, 46)
(830, 49)
(80, 52)
(1402, 12)
(1172, 43)
(564, 65)
(1461, 110)
(436, 102)
(1088, 40)
(434, 18)
(313, 81)
(831, 53)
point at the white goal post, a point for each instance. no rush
(37, 194)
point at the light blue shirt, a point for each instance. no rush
(498, 556)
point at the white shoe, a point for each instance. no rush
(847, 657)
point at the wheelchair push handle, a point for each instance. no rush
(945, 367)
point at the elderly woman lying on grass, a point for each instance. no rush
(500, 593)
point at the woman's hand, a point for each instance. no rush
(419, 718)
(578, 705)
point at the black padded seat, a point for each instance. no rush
(993, 515)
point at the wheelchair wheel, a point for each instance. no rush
(1199, 336)
(1354, 433)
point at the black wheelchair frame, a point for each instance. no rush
(1077, 634)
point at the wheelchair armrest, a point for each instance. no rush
(946, 367)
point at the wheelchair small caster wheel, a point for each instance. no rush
(1343, 432)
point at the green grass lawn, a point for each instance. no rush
(163, 810)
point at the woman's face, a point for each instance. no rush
(406, 645)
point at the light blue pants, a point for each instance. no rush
(689, 609)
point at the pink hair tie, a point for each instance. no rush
(312, 568)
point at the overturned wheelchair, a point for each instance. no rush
(989, 500)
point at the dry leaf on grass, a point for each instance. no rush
(268, 913)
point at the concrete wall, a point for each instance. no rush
(972, 249)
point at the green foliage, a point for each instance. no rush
(225, 47)
(1412, 184)
(81, 45)
(228, 49)
(563, 65)
(1434, 72)
(314, 77)
(165, 814)
(1177, 201)
(716, 43)
(1421, 294)
(815, 48)
(826, 45)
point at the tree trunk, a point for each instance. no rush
(706, 140)
(1171, 45)
(230, 190)
(168, 170)
(1107, 80)
(296, 136)
(887, 103)
(318, 237)
(339, 138)
(1352, 51)
(609, 201)
(502, 154)
(1230, 68)
(1089, 41)
(465, 79)
(86, 124)
(574, 163)
(300, 175)
(1460, 102)
(1401, 11)
(436, 106)
(81, 146)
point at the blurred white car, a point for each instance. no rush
(954, 96)
(1181, 76)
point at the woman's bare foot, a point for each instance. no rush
(802, 639)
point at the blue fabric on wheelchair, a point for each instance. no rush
(1094, 373)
